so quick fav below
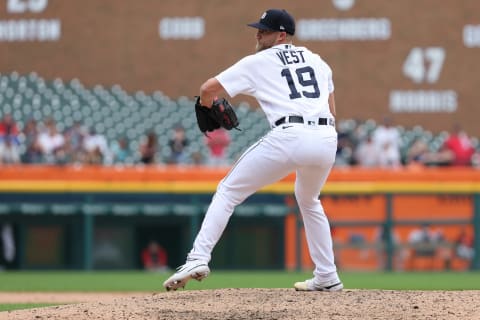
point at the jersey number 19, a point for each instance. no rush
(306, 78)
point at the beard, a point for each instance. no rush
(261, 46)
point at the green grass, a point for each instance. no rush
(20, 306)
(143, 281)
(64, 281)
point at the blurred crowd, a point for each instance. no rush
(382, 146)
(43, 143)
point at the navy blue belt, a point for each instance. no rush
(299, 119)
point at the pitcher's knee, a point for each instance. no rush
(229, 195)
(310, 205)
(304, 201)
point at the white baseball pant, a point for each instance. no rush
(309, 150)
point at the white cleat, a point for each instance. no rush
(193, 269)
(309, 285)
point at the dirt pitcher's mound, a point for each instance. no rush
(240, 304)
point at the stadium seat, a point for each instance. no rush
(156, 209)
(185, 209)
(96, 209)
(5, 209)
(64, 209)
(125, 209)
(33, 208)
(273, 210)
(248, 210)
(116, 112)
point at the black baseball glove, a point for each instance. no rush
(221, 114)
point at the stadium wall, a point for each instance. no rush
(100, 217)
(414, 59)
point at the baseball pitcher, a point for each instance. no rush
(294, 87)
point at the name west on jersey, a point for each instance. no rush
(291, 56)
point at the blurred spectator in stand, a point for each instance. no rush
(476, 159)
(381, 239)
(444, 251)
(177, 145)
(148, 148)
(418, 153)
(458, 149)
(49, 140)
(9, 140)
(75, 135)
(387, 139)
(8, 128)
(463, 246)
(154, 257)
(63, 154)
(422, 240)
(96, 147)
(9, 152)
(366, 153)
(197, 158)
(360, 132)
(7, 246)
(344, 155)
(426, 242)
(217, 142)
(33, 152)
(120, 151)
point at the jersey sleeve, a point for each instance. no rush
(237, 79)
(331, 87)
(328, 72)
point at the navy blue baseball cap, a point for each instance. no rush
(275, 20)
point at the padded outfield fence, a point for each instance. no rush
(69, 217)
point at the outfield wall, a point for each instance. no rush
(413, 58)
(77, 213)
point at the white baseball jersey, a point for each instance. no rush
(285, 80)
